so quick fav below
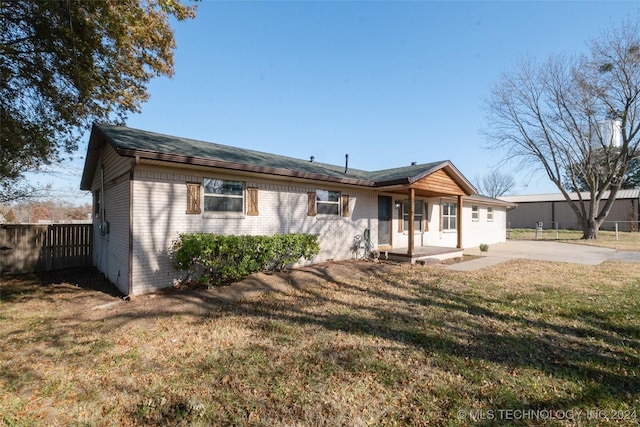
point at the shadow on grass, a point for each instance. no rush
(459, 331)
(56, 282)
(584, 347)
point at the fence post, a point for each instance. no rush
(616, 230)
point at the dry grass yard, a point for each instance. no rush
(354, 343)
(607, 239)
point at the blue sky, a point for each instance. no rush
(387, 82)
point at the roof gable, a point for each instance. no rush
(429, 179)
(440, 182)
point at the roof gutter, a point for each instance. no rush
(400, 181)
(198, 161)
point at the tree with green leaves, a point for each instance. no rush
(632, 177)
(67, 63)
(553, 116)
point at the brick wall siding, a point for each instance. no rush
(159, 207)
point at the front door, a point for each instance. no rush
(384, 221)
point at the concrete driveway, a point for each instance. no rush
(542, 251)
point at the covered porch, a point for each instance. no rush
(442, 181)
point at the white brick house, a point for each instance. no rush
(148, 188)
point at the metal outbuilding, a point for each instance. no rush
(553, 208)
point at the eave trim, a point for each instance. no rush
(198, 161)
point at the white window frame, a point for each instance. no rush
(450, 218)
(489, 214)
(223, 195)
(475, 213)
(416, 216)
(328, 203)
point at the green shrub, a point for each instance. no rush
(216, 259)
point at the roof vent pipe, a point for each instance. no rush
(414, 163)
(346, 163)
(312, 159)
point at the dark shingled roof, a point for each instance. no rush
(490, 201)
(123, 138)
(151, 145)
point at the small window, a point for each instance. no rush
(475, 214)
(417, 214)
(328, 202)
(449, 216)
(489, 214)
(223, 196)
(193, 198)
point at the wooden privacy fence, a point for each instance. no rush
(28, 248)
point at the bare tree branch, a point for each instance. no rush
(561, 115)
(495, 184)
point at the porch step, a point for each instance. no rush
(426, 257)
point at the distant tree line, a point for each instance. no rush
(49, 212)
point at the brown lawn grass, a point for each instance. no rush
(350, 343)
(625, 241)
